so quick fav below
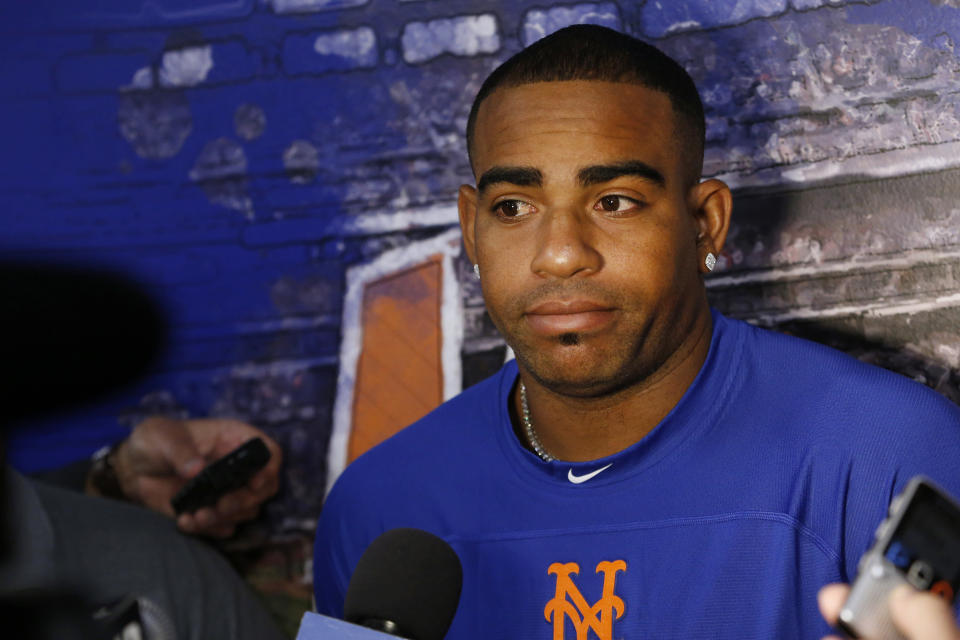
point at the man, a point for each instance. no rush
(646, 468)
(108, 550)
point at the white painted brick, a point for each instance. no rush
(359, 45)
(195, 65)
(301, 161)
(462, 36)
(663, 17)
(539, 23)
(186, 67)
(330, 51)
(801, 5)
(311, 6)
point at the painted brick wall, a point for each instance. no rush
(237, 156)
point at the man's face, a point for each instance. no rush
(585, 232)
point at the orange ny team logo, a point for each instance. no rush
(570, 603)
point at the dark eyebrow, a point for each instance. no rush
(598, 174)
(520, 176)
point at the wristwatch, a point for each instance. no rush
(103, 475)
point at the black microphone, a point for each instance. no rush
(407, 583)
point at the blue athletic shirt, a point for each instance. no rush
(764, 483)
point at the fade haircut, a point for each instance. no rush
(591, 52)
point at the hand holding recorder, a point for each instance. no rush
(908, 580)
(918, 615)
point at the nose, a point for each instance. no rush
(565, 246)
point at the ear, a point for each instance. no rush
(467, 208)
(712, 204)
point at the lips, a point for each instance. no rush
(555, 317)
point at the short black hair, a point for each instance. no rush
(592, 52)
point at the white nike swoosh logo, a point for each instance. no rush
(575, 479)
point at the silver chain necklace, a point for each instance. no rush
(528, 428)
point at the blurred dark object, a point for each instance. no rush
(219, 478)
(73, 335)
(407, 583)
(47, 615)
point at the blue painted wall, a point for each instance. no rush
(237, 156)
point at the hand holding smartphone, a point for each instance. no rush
(222, 476)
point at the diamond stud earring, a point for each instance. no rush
(709, 262)
(476, 270)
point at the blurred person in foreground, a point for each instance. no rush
(67, 553)
(120, 540)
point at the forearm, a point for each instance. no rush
(96, 476)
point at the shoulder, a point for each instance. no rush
(843, 431)
(461, 421)
(800, 367)
(816, 394)
(387, 486)
(430, 448)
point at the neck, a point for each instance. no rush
(579, 429)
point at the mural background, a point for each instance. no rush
(239, 157)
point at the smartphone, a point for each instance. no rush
(917, 544)
(222, 476)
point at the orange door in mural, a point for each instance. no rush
(399, 372)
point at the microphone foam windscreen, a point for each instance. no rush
(410, 577)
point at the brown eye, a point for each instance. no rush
(512, 208)
(610, 203)
(617, 204)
